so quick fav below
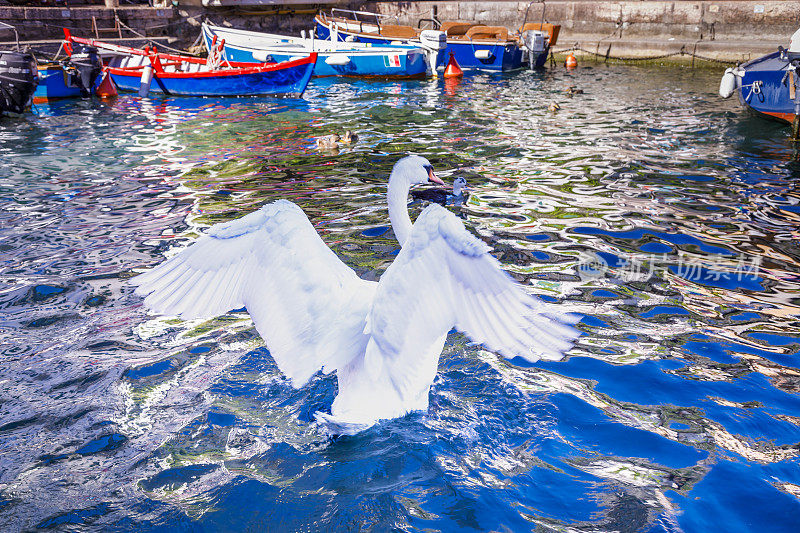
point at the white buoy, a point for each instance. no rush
(337, 60)
(262, 56)
(146, 80)
(727, 84)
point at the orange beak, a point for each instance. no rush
(432, 177)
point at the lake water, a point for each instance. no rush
(665, 215)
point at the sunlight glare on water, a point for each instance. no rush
(664, 215)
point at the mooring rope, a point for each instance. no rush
(149, 39)
(608, 57)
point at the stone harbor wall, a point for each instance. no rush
(732, 30)
(724, 30)
(180, 23)
(44, 23)
(737, 20)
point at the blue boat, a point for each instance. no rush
(474, 46)
(768, 86)
(334, 58)
(75, 77)
(54, 84)
(147, 71)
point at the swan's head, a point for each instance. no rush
(414, 170)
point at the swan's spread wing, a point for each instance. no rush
(304, 301)
(445, 277)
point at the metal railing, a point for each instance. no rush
(355, 14)
(525, 20)
(4, 26)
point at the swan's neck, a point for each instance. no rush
(397, 197)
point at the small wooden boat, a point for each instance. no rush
(769, 85)
(475, 46)
(148, 70)
(334, 58)
(56, 81)
(75, 77)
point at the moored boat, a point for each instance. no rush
(769, 85)
(334, 58)
(475, 46)
(146, 70)
(75, 77)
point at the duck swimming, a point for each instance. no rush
(383, 339)
(349, 137)
(458, 196)
(328, 142)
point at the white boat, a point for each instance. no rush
(474, 45)
(335, 57)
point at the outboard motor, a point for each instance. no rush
(86, 68)
(535, 43)
(433, 42)
(18, 80)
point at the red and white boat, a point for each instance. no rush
(148, 70)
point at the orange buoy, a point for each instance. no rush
(106, 89)
(571, 62)
(452, 70)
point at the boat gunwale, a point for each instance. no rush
(363, 49)
(237, 70)
(450, 40)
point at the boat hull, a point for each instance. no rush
(53, 85)
(383, 62)
(288, 80)
(182, 75)
(762, 89)
(471, 55)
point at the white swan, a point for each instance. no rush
(382, 338)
